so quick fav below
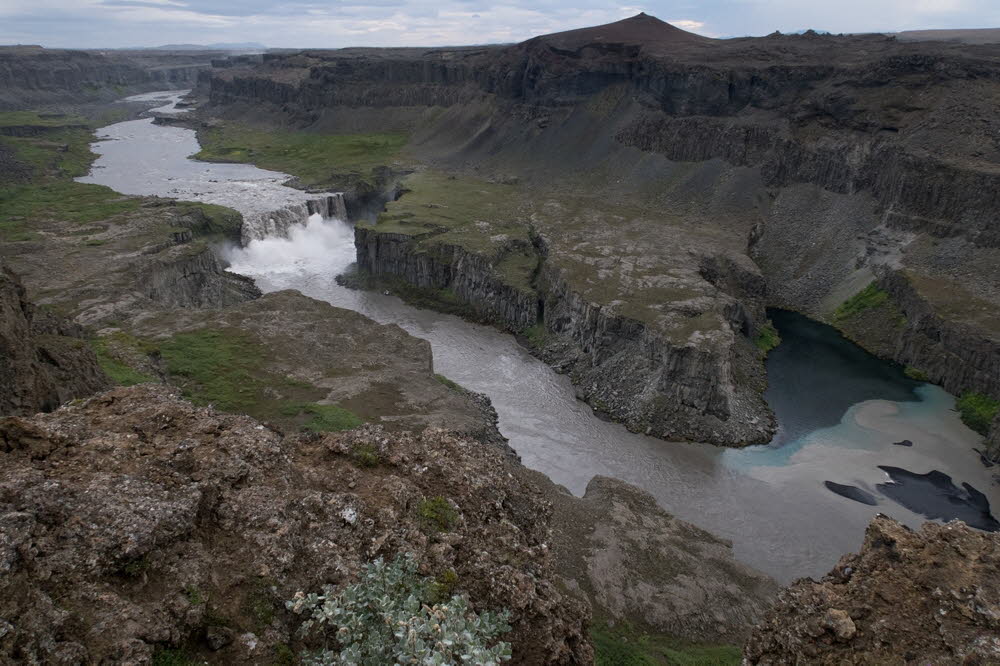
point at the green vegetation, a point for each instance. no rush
(52, 159)
(283, 655)
(916, 374)
(220, 221)
(977, 410)
(366, 455)
(173, 657)
(193, 595)
(536, 335)
(869, 297)
(767, 338)
(329, 418)
(32, 119)
(387, 617)
(443, 587)
(436, 513)
(219, 366)
(225, 368)
(314, 158)
(626, 647)
(136, 567)
(260, 604)
(119, 373)
(454, 386)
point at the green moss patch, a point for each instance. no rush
(622, 646)
(977, 410)
(119, 372)
(536, 335)
(174, 657)
(219, 220)
(224, 368)
(314, 158)
(916, 374)
(767, 338)
(54, 159)
(437, 514)
(33, 119)
(866, 299)
(329, 418)
(454, 386)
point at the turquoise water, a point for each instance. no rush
(843, 416)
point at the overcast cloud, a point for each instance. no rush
(305, 23)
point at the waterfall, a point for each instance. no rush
(258, 226)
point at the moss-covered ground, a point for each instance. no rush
(51, 159)
(312, 157)
(624, 646)
(226, 368)
(868, 298)
(977, 410)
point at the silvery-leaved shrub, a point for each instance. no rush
(384, 619)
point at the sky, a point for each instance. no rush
(334, 24)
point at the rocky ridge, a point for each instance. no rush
(187, 529)
(906, 597)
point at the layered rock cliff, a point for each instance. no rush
(906, 597)
(657, 336)
(32, 75)
(44, 359)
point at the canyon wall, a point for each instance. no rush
(35, 76)
(831, 160)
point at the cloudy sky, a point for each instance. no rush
(336, 23)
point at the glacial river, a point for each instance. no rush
(856, 438)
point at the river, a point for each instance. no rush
(841, 411)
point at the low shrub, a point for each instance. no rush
(387, 618)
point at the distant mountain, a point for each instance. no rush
(640, 29)
(970, 36)
(218, 46)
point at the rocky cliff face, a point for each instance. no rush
(657, 335)
(192, 276)
(156, 258)
(172, 527)
(930, 597)
(32, 75)
(44, 360)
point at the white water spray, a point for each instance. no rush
(316, 251)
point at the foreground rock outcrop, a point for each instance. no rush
(135, 522)
(928, 597)
(44, 359)
(639, 566)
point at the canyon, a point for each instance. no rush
(745, 172)
(631, 201)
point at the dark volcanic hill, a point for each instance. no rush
(642, 29)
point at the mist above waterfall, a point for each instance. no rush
(320, 249)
